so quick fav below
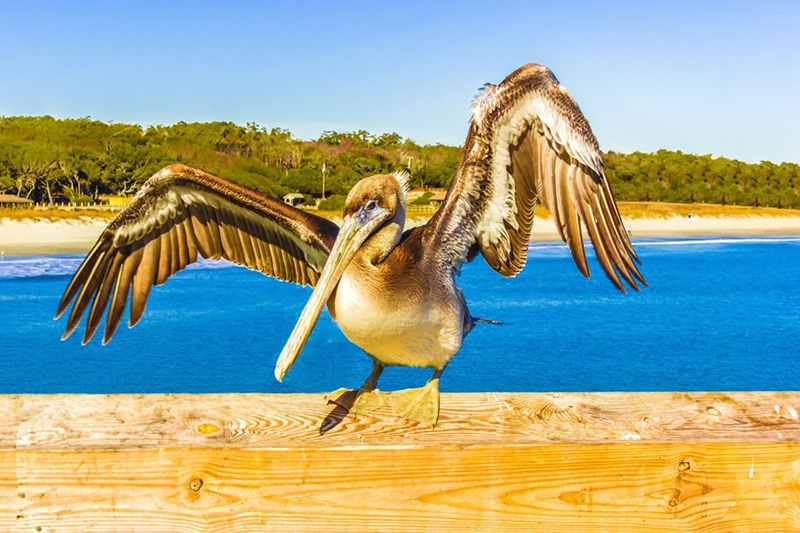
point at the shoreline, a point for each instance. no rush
(43, 237)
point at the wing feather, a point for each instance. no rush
(579, 252)
(77, 281)
(247, 243)
(264, 262)
(181, 251)
(277, 260)
(600, 249)
(217, 247)
(143, 279)
(175, 252)
(90, 280)
(225, 242)
(191, 241)
(283, 259)
(203, 241)
(570, 218)
(121, 290)
(164, 271)
(623, 259)
(529, 141)
(228, 223)
(552, 169)
(102, 295)
(543, 154)
(181, 213)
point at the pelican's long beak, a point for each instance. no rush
(354, 231)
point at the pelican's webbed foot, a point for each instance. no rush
(358, 402)
(420, 405)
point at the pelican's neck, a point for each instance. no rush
(381, 243)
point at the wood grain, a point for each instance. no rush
(496, 462)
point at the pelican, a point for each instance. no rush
(391, 291)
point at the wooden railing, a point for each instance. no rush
(496, 462)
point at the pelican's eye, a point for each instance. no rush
(372, 204)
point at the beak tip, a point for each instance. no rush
(279, 374)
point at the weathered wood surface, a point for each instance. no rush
(496, 462)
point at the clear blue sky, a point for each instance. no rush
(702, 77)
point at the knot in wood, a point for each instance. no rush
(208, 428)
(196, 484)
(683, 466)
(712, 410)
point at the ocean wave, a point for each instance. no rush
(36, 266)
(33, 266)
(716, 240)
(680, 241)
(39, 266)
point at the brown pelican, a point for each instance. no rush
(392, 292)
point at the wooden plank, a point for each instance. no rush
(496, 462)
(11, 415)
(251, 420)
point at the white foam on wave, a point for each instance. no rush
(729, 240)
(35, 266)
(690, 241)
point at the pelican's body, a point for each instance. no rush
(425, 322)
(392, 292)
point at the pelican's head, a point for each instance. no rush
(371, 204)
(387, 191)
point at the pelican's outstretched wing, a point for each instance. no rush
(528, 139)
(179, 213)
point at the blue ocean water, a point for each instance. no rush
(720, 314)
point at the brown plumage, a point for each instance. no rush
(392, 292)
(181, 213)
(528, 139)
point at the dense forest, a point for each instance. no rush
(45, 160)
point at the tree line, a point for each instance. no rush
(42, 159)
(667, 176)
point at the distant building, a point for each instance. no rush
(437, 199)
(294, 199)
(10, 199)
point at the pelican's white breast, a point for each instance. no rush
(406, 327)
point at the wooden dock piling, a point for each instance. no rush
(642, 462)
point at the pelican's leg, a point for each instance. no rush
(364, 399)
(420, 405)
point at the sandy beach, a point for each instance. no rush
(26, 237)
(696, 226)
